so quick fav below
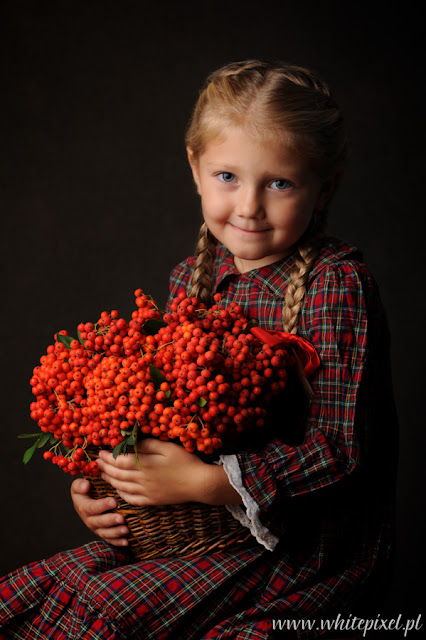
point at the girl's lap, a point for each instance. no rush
(99, 591)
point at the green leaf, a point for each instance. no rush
(43, 439)
(29, 453)
(152, 326)
(66, 340)
(135, 432)
(135, 441)
(117, 450)
(202, 402)
(127, 442)
(156, 376)
(29, 435)
(79, 337)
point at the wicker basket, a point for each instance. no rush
(176, 531)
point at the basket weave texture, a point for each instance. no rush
(176, 531)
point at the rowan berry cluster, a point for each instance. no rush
(221, 377)
(194, 375)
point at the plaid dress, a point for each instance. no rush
(320, 492)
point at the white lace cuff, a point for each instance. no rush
(250, 517)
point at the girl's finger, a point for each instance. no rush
(80, 486)
(97, 507)
(87, 507)
(135, 499)
(118, 473)
(131, 488)
(123, 461)
(113, 536)
(106, 521)
(120, 542)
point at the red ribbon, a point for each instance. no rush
(305, 351)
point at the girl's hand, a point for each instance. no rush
(168, 474)
(108, 526)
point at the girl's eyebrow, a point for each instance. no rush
(216, 164)
(231, 166)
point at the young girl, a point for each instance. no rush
(267, 147)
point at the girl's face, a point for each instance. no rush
(257, 197)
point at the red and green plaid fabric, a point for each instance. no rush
(327, 495)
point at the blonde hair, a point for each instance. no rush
(270, 100)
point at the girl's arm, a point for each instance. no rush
(350, 429)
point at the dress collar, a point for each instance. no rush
(275, 276)
(272, 276)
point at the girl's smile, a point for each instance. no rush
(257, 196)
(243, 230)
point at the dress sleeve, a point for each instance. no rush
(335, 320)
(179, 279)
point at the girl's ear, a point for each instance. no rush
(194, 168)
(329, 186)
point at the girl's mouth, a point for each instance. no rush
(249, 231)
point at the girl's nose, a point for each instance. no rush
(250, 204)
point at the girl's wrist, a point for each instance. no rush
(217, 488)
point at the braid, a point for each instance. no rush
(201, 286)
(306, 253)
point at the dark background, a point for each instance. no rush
(97, 199)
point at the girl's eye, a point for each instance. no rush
(226, 176)
(280, 184)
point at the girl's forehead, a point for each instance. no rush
(238, 142)
(244, 155)
(276, 144)
(247, 130)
